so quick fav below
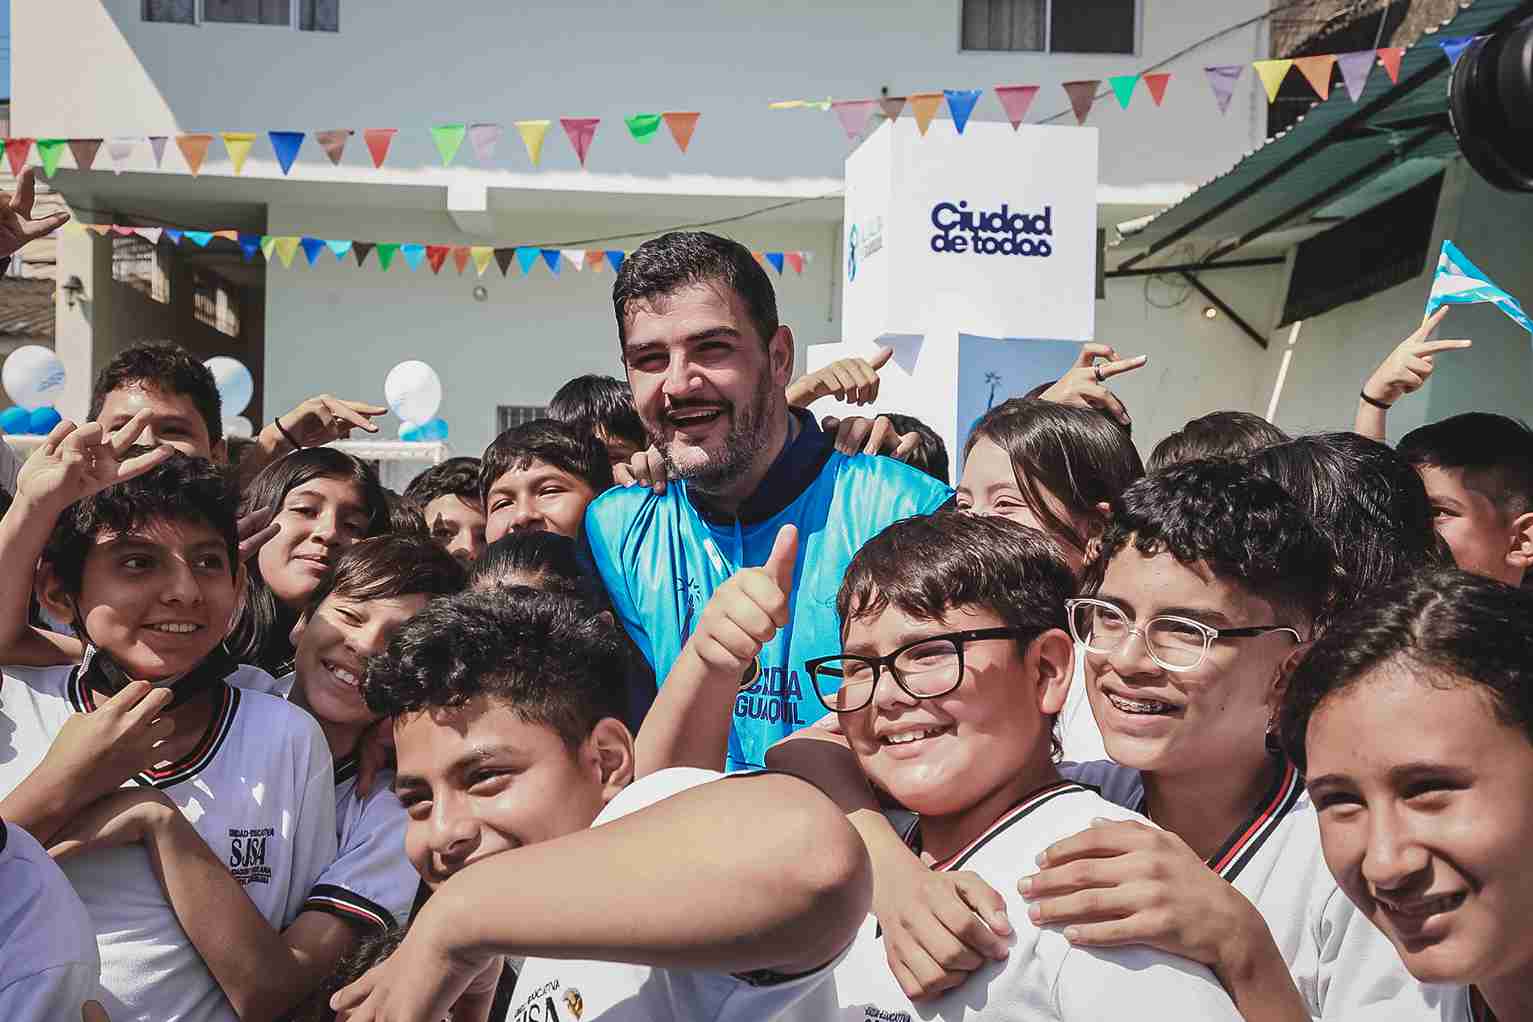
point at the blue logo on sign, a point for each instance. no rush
(851, 254)
(998, 232)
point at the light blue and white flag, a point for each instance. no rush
(1460, 282)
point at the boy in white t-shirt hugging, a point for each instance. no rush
(694, 896)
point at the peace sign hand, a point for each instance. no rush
(76, 462)
(1084, 385)
(16, 224)
(1407, 368)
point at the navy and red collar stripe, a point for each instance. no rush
(1246, 840)
(1028, 804)
(227, 700)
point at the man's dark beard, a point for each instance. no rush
(747, 438)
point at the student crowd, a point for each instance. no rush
(681, 704)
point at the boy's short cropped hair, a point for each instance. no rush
(665, 265)
(1495, 452)
(406, 518)
(455, 477)
(1242, 525)
(601, 405)
(930, 454)
(1216, 435)
(552, 442)
(553, 659)
(551, 558)
(169, 368)
(390, 566)
(179, 489)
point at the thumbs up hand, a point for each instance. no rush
(745, 612)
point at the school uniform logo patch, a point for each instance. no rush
(248, 854)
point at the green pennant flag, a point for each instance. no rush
(448, 138)
(387, 250)
(1123, 88)
(50, 149)
(643, 127)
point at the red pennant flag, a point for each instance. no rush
(436, 255)
(1317, 71)
(195, 148)
(682, 123)
(334, 143)
(1082, 95)
(1016, 100)
(1391, 56)
(795, 260)
(581, 130)
(378, 140)
(1156, 82)
(16, 151)
(84, 151)
(460, 254)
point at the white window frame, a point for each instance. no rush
(1048, 34)
(199, 18)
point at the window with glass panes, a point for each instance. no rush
(1050, 26)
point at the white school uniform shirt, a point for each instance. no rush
(258, 789)
(1044, 978)
(1341, 963)
(371, 882)
(48, 961)
(1076, 725)
(549, 990)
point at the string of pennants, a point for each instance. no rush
(481, 257)
(856, 115)
(482, 136)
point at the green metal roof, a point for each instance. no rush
(1341, 157)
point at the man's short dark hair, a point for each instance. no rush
(1447, 624)
(457, 477)
(1244, 526)
(179, 489)
(552, 658)
(602, 405)
(1216, 435)
(168, 368)
(390, 566)
(1495, 452)
(554, 443)
(930, 454)
(665, 265)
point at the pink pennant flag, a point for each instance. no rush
(854, 115)
(1222, 79)
(1391, 57)
(1156, 82)
(483, 138)
(1355, 69)
(1082, 95)
(581, 130)
(157, 145)
(795, 260)
(16, 152)
(1317, 71)
(1016, 100)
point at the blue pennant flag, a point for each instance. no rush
(1460, 282)
(551, 257)
(340, 248)
(960, 103)
(200, 238)
(775, 258)
(615, 257)
(250, 244)
(414, 255)
(286, 144)
(1454, 47)
(174, 235)
(312, 247)
(527, 258)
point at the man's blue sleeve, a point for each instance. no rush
(605, 536)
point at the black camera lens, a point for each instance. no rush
(1490, 102)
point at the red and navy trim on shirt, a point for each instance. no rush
(227, 699)
(345, 769)
(1008, 819)
(348, 905)
(1248, 838)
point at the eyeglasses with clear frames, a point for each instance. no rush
(1175, 643)
(924, 669)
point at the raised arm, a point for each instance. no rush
(1404, 371)
(743, 874)
(314, 423)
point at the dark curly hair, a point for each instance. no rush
(179, 489)
(555, 443)
(665, 265)
(1223, 514)
(1216, 435)
(1448, 627)
(601, 406)
(390, 566)
(553, 658)
(169, 368)
(457, 477)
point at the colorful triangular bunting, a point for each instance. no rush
(960, 103)
(682, 123)
(387, 250)
(526, 258)
(238, 144)
(1156, 82)
(1272, 73)
(460, 255)
(286, 247)
(615, 258)
(333, 142)
(1123, 88)
(312, 247)
(286, 145)
(414, 254)
(157, 146)
(576, 257)
(594, 258)
(533, 133)
(1355, 68)
(268, 243)
(503, 258)
(360, 251)
(1222, 79)
(378, 140)
(854, 115)
(339, 247)
(1390, 57)
(16, 152)
(1082, 95)
(49, 150)
(119, 149)
(448, 139)
(436, 255)
(150, 234)
(776, 259)
(581, 130)
(891, 107)
(484, 137)
(194, 148)
(1455, 46)
(643, 127)
(198, 238)
(795, 260)
(249, 245)
(84, 151)
(1016, 100)
(924, 106)
(551, 257)
(483, 255)
(1317, 71)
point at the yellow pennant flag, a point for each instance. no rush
(787, 104)
(483, 255)
(1272, 73)
(924, 105)
(238, 143)
(532, 133)
(286, 246)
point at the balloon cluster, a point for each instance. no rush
(236, 388)
(33, 377)
(414, 393)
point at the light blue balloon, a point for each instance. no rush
(235, 384)
(410, 433)
(436, 429)
(42, 420)
(15, 419)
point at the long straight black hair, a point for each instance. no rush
(261, 634)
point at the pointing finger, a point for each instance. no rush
(1127, 365)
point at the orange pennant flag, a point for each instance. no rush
(228, 235)
(594, 258)
(194, 148)
(682, 123)
(1272, 73)
(924, 106)
(1317, 71)
(1390, 56)
(460, 254)
(1156, 82)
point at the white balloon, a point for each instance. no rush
(33, 376)
(413, 392)
(235, 384)
(239, 426)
